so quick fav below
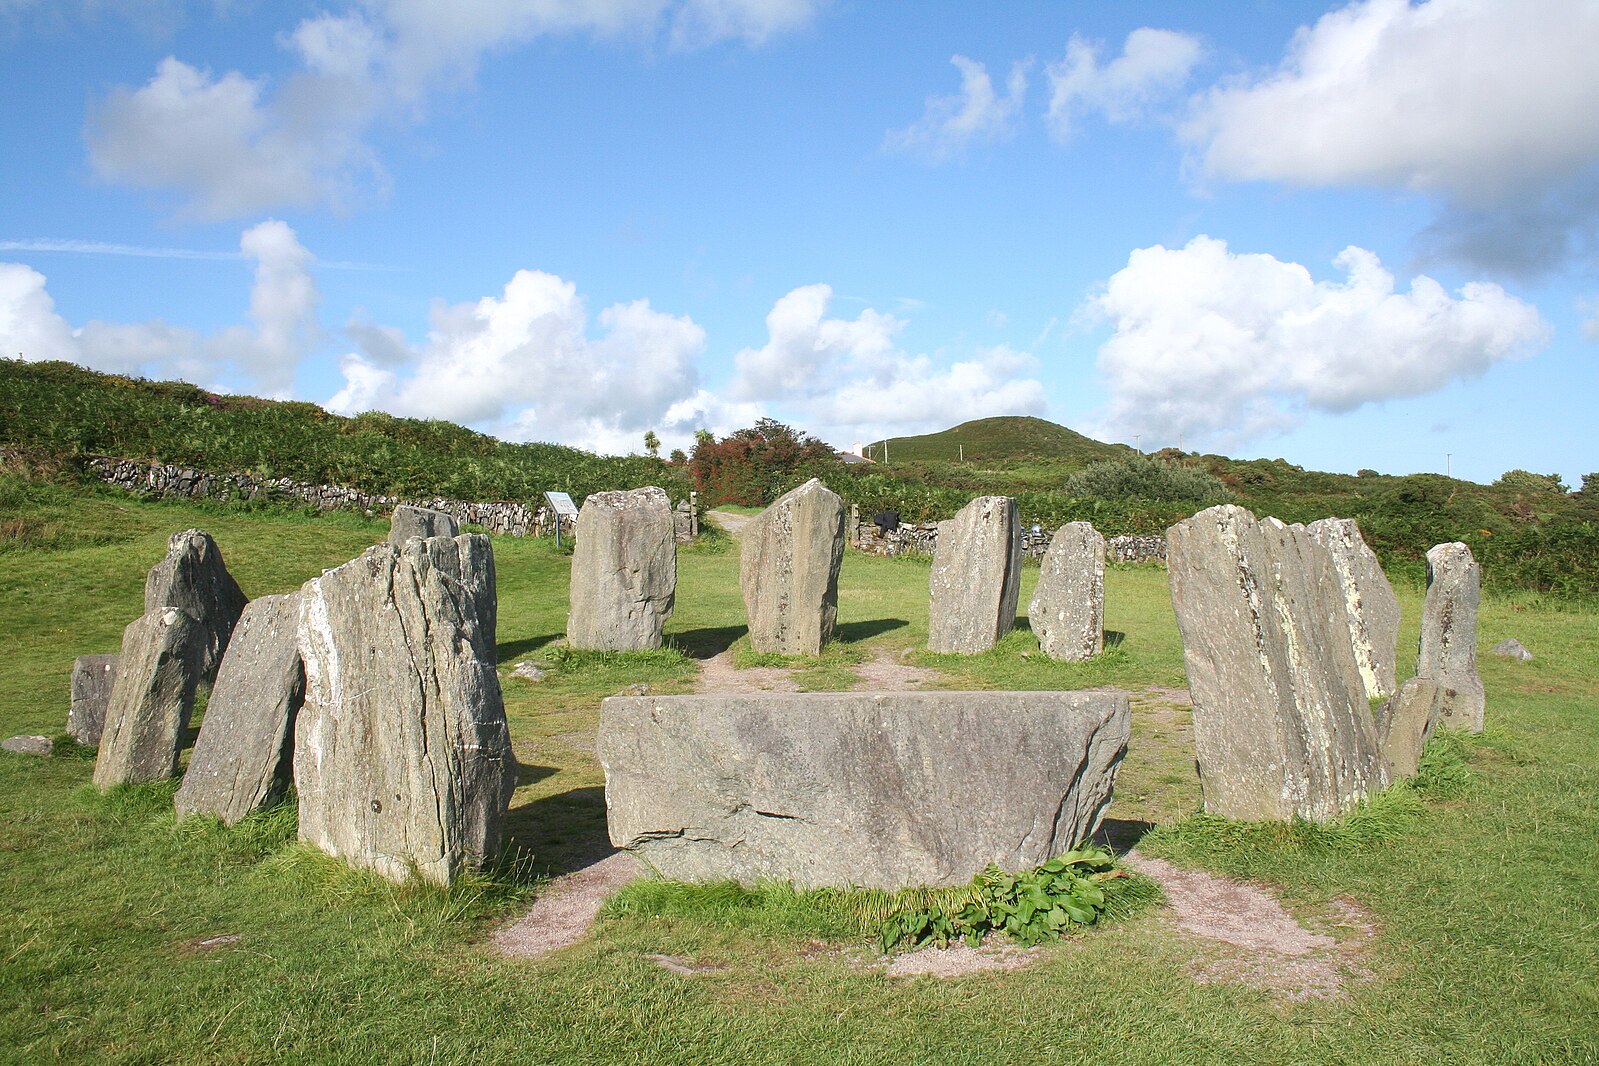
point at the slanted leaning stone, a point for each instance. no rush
(193, 578)
(788, 570)
(1068, 609)
(243, 756)
(1369, 602)
(1449, 634)
(92, 678)
(857, 788)
(402, 759)
(1405, 722)
(976, 577)
(409, 521)
(624, 571)
(1281, 722)
(152, 698)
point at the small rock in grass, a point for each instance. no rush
(529, 672)
(1511, 649)
(28, 745)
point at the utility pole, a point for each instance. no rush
(1449, 464)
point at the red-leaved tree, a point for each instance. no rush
(753, 466)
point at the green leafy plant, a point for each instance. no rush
(1033, 906)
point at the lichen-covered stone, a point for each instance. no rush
(1369, 602)
(402, 758)
(1282, 726)
(1511, 648)
(624, 571)
(1449, 635)
(28, 745)
(151, 699)
(857, 788)
(92, 678)
(243, 756)
(410, 521)
(1405, 722)
(788, 570)
(193, 578)
(976, 577)
(1068, 608)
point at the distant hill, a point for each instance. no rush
(1006, 440)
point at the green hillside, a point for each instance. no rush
(1005, 440)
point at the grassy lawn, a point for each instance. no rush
(1485, 914)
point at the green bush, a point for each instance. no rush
(1147, 478)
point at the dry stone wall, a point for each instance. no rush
(921, 538)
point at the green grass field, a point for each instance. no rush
(1483, 899)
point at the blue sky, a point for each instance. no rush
(1352, 235)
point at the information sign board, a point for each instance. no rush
(561, 504)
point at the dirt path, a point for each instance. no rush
(565, 911)
(733, 523)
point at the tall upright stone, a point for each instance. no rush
(402, 758)
(92, 679)
(151, 699)
(193, 578)
(1370, 605)
(411, 521)
(977, 570)
(788, 570)
(624, 571)
(1068, 608)
(1449, 635)
(243, 757)
(1281, 722)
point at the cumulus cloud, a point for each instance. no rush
(950, 124)
(1482, 104)
(1154, 65)
(1223, 347)
(847, 378)
(262, 356)
(523, 365)
(231, 144)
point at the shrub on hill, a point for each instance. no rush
(1140, 477)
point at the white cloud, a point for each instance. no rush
(1220, 346)
(845, 379)
(1154, 64)
(523, 366)
(950, 124)
(1590, 325)
(232, 145)
(1472, 99)
(262, 356)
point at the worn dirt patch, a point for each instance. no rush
(884, 673)
(958, 960)
(563, 914)
(733, 523)
(1266, 947)
(718, 674)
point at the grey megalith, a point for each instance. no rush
(1282, 726)
(1067, 612)
(857, 788)
(1448, 653)
(623, 582)
(976, 579)
(1370, 605)
(789, 557)
(402, 757)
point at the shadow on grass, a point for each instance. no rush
(507, 650)
(854, 632)
(565, 832)
(1121, 835)
(531, 773)
(1114, 638)
(708, 641)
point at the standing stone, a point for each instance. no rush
(152, 698)
(193, 578)
(624, 571)
(1068, 609)
(1449, 634)
(1405, 723)
(880, 789)
(1369, 602)
(788, 570)
(243, 756)
(409, 521)
(92, 678)
(1281, 722)
(402, 758)
(977, 570)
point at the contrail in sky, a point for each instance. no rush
(76, 247)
